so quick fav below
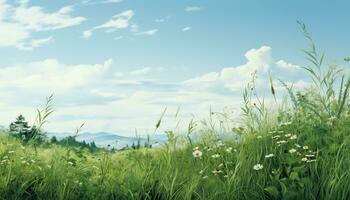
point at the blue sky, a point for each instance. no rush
(112, 62)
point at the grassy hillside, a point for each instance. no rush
(299, 149)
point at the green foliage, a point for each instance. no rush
(71, 142)
(20, 128)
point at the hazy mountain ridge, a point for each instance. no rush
(103, 139)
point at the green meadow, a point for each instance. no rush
(295, 147)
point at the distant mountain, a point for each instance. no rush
(103, 139)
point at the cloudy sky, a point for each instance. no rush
(116, 64)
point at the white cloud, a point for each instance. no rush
(87, 34)
(119, 21)
(36, 19)
(23, 2)
(187, 28)
(51, 76)
(206, 78)
(12, 34)
(134, 28)
(4, 9)
(192, 8)
(148, 32)
(259, 60)
(34, 44)
(94, 2)
(104, 98)
(141, 72)
(19, 22)
(162, 19)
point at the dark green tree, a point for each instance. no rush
(36, 134)
(54, 139)
(20, 128)
(93, 145)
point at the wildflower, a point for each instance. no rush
(297, 145)
(259, 137)
(304, 159)
(332, 119)
(258, 167)
(196, 148)
(70, 163)
(276, 137)
(310, 156)
(287, 135)
(269, 155)
(197, 154)
(293, 137)
(309, 161)
(305, 147)
(229, 150)
(281, 142)
(221, 165)
(216, 172)
(235, 150)
(285, 123)
(220, 143)
(201, 172)
(292, 150)
(216, 156)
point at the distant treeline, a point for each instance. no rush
(21, 130)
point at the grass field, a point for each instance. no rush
(298, 149)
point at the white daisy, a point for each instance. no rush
(216, 156)
(197, 154)
(292, 150)
(293, 137)
(258, 167)
(269, 155)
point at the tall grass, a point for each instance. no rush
(300, 151)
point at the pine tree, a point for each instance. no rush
(20, 128)
(53, 139)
